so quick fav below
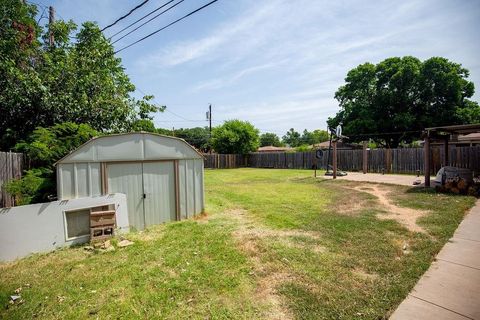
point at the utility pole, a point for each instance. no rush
(209, 117)
(51, 20)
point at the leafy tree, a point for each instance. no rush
(394, 100)
(43, 147)
(292, 138)
(198, 137)
(320, 136)
(303, 148)
(145, 125)
(81, 82)
(270, 139)
(34, 186)
(235, 136)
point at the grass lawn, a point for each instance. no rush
(274, 244)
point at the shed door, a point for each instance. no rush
(159, 188)
(127, 178)
(150, 190)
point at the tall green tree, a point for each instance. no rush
(43, 147)
(292, 138)
(394, 100)
(198, 137)
(270, 139)
(320, 135)
(81, 81)
(235, 136)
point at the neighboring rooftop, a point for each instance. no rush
(273, 149)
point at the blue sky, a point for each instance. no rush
(276, 63)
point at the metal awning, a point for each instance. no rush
(456, 129)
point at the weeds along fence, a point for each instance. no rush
(11, 167)
(401, 160)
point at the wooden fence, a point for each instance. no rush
(11, 167)
(225, 161)
(402, 160)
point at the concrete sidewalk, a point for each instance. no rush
(401, 179)
(450, 289)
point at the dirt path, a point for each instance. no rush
(269, 275)
(406, 216)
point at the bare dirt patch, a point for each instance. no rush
(406, 216)
(365, 275)
(269, 275)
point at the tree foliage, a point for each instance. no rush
(402, 96)
(198, 137)
(81, 81)
(43, 148)
(33, 187)
(270, 139)
(295, 139)
(235, 136)
(292, 138)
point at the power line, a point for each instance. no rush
(168, 25)
(149, 20)
(36, 3)
(166, 109)
(124, 16)
(131, 24)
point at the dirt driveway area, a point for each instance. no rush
(400, 179)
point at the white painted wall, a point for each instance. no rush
(41, 227)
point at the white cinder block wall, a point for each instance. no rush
(41, 227)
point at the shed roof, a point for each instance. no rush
(134, 146)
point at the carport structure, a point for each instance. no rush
(444, 134)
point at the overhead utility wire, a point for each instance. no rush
(149, 20)
(168, 25)
(135, 22)
(124, 16)
(166, 109)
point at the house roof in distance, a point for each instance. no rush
(273, 149)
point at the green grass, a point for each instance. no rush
(337, 260)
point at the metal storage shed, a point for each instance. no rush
(162, 176)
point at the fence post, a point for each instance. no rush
(446, 149)
(426, 150)
(334, 144)
(365, 157)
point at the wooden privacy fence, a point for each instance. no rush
(225, 161)
(401, 160)
(11, 167)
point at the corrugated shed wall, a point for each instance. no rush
(191, 187)
(78, 180)
(159, 188)
(127, 178)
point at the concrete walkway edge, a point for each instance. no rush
(450, 289)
